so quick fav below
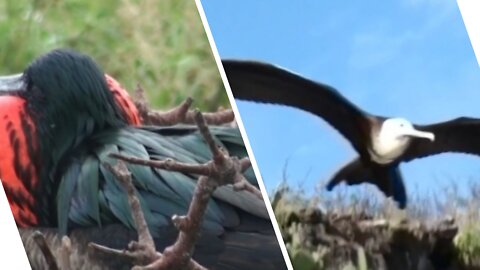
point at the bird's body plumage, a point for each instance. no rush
(382, 143)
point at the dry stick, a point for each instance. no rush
(39, 238)
(65, 252)
(63, 261)
(221, 171)
(238, 181)
(177, 115)
(167, 164)
(141, 252)
(220, 159)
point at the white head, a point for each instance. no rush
(399, 128)
(394, 136)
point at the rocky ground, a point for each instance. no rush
(326, 239)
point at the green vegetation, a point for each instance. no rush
(467, 242)
(364, 231)
(160, 44)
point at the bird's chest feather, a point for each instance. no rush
(385, 150)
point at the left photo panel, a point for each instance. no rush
(119, 149)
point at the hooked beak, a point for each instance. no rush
(11, 82)
(421, 134)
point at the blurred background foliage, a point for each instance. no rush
(160, 44)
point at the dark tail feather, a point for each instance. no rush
(352, 173)
(387, 178)
(399, 191)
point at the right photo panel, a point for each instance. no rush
(364, 121)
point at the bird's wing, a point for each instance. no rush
(460, 135)
(387, 178)
(90, 195)
(261, 82)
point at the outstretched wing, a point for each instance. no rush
(89, 194)
(461, 135)
(261, 82)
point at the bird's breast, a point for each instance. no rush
(386, 151)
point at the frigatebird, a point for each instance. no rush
(59, 121)
(381, 142)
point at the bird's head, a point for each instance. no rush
(42, 69)
(69, 99)
(399, 128)
(67, 87)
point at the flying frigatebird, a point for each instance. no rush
(381, 142)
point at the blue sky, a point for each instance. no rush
(405, 58)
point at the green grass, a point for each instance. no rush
(467, 242)
(160, 44)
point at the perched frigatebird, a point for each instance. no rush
(381, 142)
(60, 120)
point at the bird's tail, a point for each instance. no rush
(387, 178)
(352, 173)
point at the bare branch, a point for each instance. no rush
(167, 164)
(223, 170)
(47, 253)
(144, 251)
(177, 115)
(243, 184)
(65, 252)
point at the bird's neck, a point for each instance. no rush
(59, 133)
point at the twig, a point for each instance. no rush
(65, 252)
(222, 163)
(47, 253)
(142, 252)
(245, 185)
(167, 164)
(239, 182)
(177, 115)
(222, 170)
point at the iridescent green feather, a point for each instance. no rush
(90, 195)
